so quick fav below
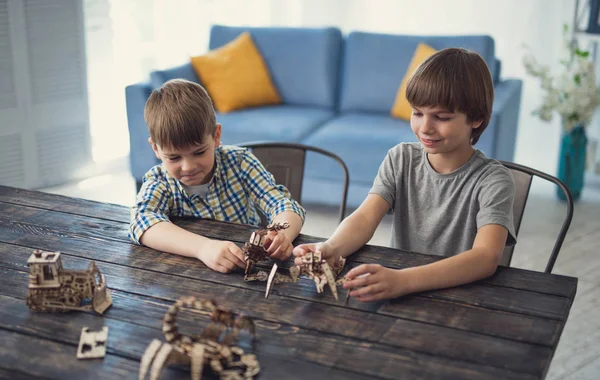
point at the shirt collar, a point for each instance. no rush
(211, 184)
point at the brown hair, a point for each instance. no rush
(456, 79)
(179, 114)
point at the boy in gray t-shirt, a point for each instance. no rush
(447, 197)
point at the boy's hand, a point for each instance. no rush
(325, 249)
(278, 245)
(373, 282)
(221, 256)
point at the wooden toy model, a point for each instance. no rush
(55, 289)
(317, 268)
(213, 348)
(254, 251)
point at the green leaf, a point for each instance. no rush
(582, 53)
(577, 79)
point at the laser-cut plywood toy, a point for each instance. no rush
(55, 289)
(92, 344)
(319, 270)
(214, 348)
(254, 251)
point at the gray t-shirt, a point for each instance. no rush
(440, 213)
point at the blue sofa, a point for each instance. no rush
(337, 93)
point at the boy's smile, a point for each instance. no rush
(191, 165)
(430, 143)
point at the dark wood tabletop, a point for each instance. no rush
(505, 327)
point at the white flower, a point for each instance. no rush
(572, 93)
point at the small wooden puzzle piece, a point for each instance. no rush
(92, 344)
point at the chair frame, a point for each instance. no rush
(288, 145)
(518, 218)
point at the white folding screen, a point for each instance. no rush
(44, 123)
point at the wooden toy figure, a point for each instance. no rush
(55, 289)
(254, 251)
(317, 269)
(212, 348)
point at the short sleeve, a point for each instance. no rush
(385, 181)
(152, 206)
(496, 197)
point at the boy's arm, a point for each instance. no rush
(475, 264)
(377, 282)
(221, 256)
(354, 231)
(150, 223)
(357, 229)
(170, 238)
(278, 244)
(295, 222)
(152, 206)
(150, 226)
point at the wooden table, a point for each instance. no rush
(506, 327)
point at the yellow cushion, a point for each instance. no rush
(235, 75)
(401, 108)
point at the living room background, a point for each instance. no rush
(131, 38)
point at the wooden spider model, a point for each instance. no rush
(213, 348)
(254, 251)
(318, 269)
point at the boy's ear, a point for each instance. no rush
(154, 147)
(476, 124)
(218, 135)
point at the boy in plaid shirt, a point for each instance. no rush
(199, 177)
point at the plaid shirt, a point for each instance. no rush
(239, 183)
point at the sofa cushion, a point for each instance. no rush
(401, 108)
(272, 123)
(235, 75)
(303, 62)
(361, 140)
(374, 65)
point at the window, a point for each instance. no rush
(48, 275)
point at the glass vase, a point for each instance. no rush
(571, 161)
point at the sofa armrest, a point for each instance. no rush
(141, 156)
(184, 71)
(507, 105)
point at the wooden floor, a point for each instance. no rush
(578, 353)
